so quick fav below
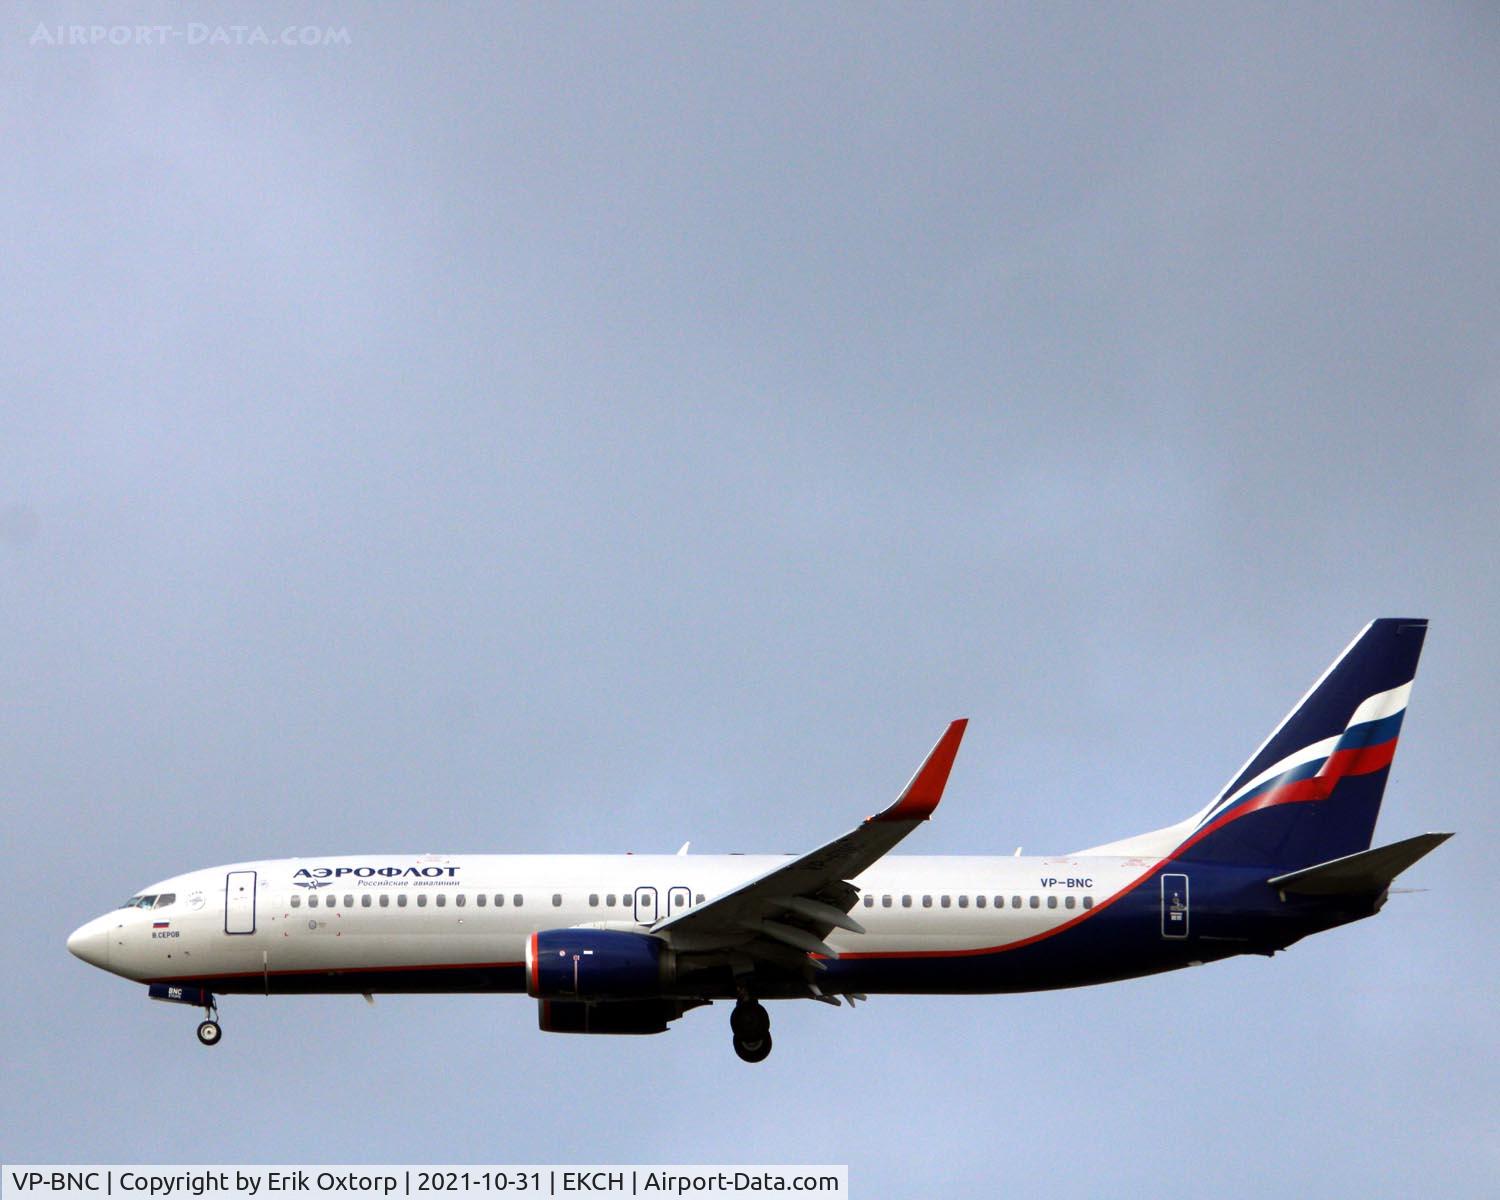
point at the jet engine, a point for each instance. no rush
(598, 964)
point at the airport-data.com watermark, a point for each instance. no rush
(194, 33)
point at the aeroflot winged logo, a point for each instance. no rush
(316, 877)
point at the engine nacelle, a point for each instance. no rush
(607, 1016)
(597, 964)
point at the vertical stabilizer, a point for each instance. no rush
(1312, 791)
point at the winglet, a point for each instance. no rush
(920, 797)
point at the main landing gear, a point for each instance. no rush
(751, 1026)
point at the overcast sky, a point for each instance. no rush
(593, 427)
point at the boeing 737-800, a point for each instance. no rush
(627, 944)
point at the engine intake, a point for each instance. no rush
(597, 964)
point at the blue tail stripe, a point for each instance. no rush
(1371, 733)
(1302, 771)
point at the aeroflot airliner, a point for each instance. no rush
(627, 944)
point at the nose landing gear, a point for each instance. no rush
(751, 1026)
(209, 1031)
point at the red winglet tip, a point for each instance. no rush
(920, 797)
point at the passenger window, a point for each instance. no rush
(963, 902)
(364, 901)
(905, 901)
(401, 900)
(1036, 902)
(296, 901)
(499, 900)
(556, 899)
(947, 902)
(480, 899)
(459, 899)
(441, 900)
(312, 900)
(421, 899)
(978, 901)
(609, 900)
(348, 900)
(385, 900)
(885, 902)
(1088, 902)
(699, 900)
(517, 900)
(1051, 901)
(1015, 902)
(926, 901)
(1070, 901)
(593, 899)
(869, 901)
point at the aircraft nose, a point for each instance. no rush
(90, 942)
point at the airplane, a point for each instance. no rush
(628, 944)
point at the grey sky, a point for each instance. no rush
(592, 427)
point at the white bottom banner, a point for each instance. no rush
(481, 1182)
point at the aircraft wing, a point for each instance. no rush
(780, 920)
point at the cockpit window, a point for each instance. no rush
(141, 902)
(164, 899)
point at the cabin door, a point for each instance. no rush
(239, 902)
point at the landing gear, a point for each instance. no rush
(751, 1026)
(209, 1032)
(209, 1029)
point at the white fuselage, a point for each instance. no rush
(331, 916)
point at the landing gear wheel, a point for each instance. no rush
(209, 1033)
(751, 1025)
(749, 1021)
(753, 1052)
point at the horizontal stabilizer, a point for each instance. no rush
(1367, 871)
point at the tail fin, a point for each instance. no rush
(1312, 791)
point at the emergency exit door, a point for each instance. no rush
(239, 902)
